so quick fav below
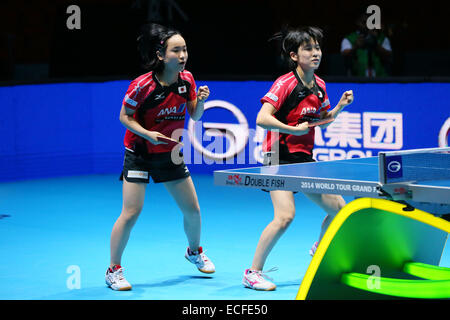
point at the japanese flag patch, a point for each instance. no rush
(182, 89)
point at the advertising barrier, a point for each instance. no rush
(73, 128)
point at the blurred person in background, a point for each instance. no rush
(367, 52)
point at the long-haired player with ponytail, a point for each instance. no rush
(296, 103)
(154, 107)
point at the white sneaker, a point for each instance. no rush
(313, 248)
(115, 280)
(258, 280)
(200, 259)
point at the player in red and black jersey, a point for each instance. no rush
(153, 110)
(296, 103)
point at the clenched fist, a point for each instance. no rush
(347, 98)
(202, 93)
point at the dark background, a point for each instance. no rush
(227, 39)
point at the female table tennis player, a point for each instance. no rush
(296, 103)
(153, 108)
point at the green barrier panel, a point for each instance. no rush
(423, 289)
(376, 237)
(427, 271)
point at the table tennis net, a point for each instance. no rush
(414, 167)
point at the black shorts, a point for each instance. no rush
(273, 159)
(139, 167)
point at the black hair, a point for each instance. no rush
(292, 39)
(153, 37)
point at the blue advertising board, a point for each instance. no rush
(73, 128)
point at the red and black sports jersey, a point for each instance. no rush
(158, 108)
(295, 103)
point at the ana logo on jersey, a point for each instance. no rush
(171, 110)
(308, 110)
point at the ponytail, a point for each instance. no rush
(292, 39)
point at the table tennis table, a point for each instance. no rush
(420, 177)
(398, 222)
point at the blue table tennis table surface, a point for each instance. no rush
(358, 177)
(356, 169)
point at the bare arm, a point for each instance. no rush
(197, 107)
(346, 99)
(266, 120)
